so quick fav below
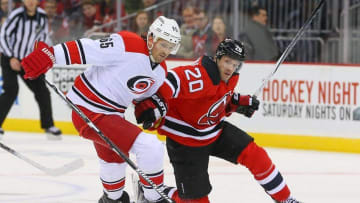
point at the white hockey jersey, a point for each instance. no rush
(120, 72)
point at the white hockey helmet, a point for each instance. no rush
(166, 29)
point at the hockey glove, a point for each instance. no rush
(245, 105)
(39, 61)
(150, 111)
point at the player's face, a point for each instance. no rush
(161, 50)
(227, 67)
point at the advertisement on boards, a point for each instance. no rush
(303, 99)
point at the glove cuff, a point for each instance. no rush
(245, 100)
(160, 104)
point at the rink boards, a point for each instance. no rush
(306, 106)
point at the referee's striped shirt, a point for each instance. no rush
(20, 31)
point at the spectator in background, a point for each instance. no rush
(71, 6)
(4, 10)
(217, 34)
(133, 6)
(257, 37)
(148, 3)
(58, 25)
(200, 35)
(141, 23)
(187, 30)
(91, 14)
(76, 26)
(152, 13)
(108, 11)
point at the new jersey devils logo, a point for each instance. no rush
(214, 112)
(140, 84)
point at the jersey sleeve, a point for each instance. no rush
(88, 51)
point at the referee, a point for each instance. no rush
(18, 34)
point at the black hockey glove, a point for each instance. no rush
(150, 111)
(245, 105)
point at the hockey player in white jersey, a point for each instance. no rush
(124, 68)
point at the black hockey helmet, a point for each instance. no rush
(232, 48)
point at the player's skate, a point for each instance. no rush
(139, 192)
(123, 199)
(289, 200)
(53, 133)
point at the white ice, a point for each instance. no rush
(313, 177)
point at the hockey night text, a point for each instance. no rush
(328, 100)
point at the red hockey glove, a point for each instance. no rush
(39, 61)
(150, 111)
(245, 105)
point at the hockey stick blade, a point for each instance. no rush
(69, 167)
(290, 46)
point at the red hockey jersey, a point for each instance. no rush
(197, 104)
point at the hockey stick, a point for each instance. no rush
(109, 142)
(78, 163)
(290, 46)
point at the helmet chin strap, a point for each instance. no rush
(150, 48)
(151, 57)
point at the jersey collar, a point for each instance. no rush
(153, 64)
(212, 69)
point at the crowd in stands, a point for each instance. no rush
(202, 25)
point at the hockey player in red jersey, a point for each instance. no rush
(123, 68)
(199, 98)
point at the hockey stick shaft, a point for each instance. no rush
(53, 172)
(290, 46)
(108, 141)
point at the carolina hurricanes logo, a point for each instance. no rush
(214, 112)
(140, 84)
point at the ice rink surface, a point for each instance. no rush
(313, 177)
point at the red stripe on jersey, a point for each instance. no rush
(73, 52)
(114, 186)
(134, 43)
(158, 180)
(81, 86)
